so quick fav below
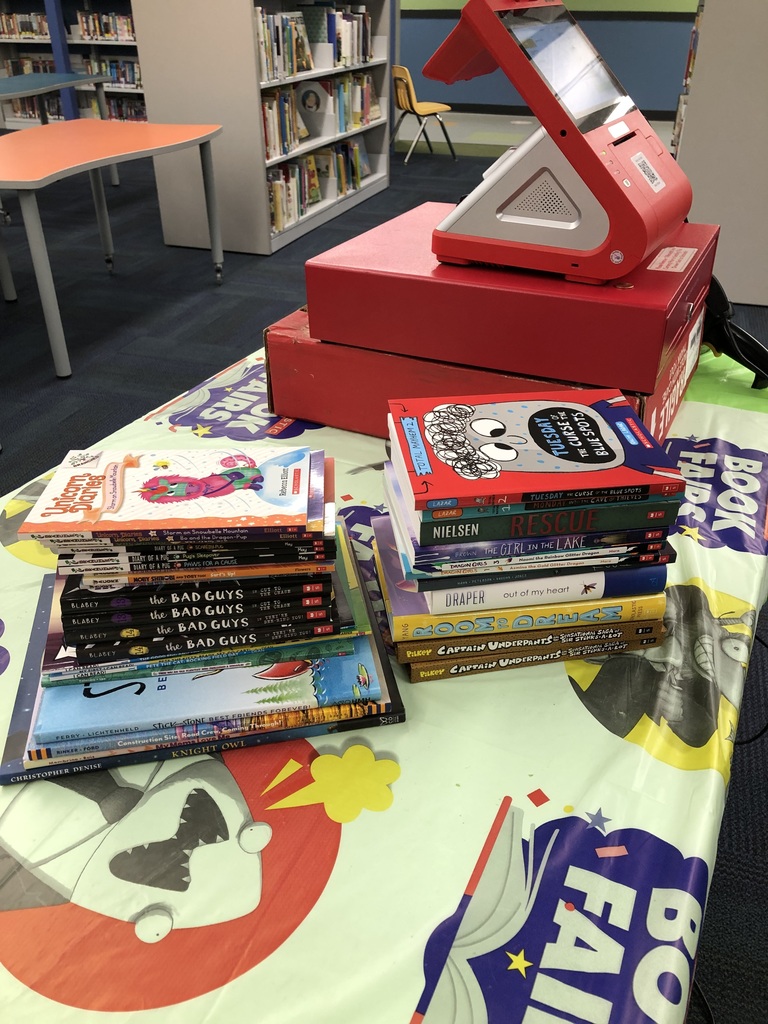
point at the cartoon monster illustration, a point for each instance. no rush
(145, 847)
(174, 487)
(481, 441)
(681, 682)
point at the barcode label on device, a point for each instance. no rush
(643, 165)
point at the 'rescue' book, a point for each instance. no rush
(648, 520)
(409, 616)
(152, 495)
(509, 448)
(579, 637)
(457, 668)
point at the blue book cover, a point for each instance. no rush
(204, 695)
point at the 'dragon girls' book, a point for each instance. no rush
(225, 493)
(508, 448)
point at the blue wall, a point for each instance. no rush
(647, 56)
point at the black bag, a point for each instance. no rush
(721, 334)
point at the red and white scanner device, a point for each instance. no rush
(593, 191)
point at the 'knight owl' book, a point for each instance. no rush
(224, 492)
(501, 449)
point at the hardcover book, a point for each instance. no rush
(648, 520)
(501, 449)
(410, 618)
(151, 494)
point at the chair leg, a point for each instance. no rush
(420, 132)
(447, 139)
(394, 131)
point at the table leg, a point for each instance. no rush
(101, 103)
(6, 277)
(214, 226)
(42, 265)
(102, 215)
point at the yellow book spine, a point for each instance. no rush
(544, 616)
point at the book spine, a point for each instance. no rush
(104, 582)
(623, 583)
(78, 599)
(436, 515)
(595, 519)
(436, 648)
(439, 581)
(449, 571)
(412, 627)
(83, 563)
(306, 650)
(103, 632)
(13, 773)
(182, 646)
(456, 668)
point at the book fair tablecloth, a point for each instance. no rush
(531, 845)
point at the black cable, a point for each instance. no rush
(764, 729)
(704, 1002)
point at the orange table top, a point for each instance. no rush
(38, 156)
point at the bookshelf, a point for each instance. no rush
(203, 63)
(98, 39)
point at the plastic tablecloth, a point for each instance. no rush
(529, 846)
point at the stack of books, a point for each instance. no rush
(523, 529)
(203, 600)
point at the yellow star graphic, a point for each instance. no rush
(519, 963)
(201, 431)
(690, 531)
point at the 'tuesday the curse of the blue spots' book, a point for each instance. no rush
(500, 449)
(225, 492)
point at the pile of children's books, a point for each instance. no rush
(523, 529)
(203, 600)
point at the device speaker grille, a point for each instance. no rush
(541, 198)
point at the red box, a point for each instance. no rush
(347, 387)
(385, 290)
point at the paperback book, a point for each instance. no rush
(410, 618)
(457, 668)
(16, 766)
(153, 494)
(505, 448)
(579, 637)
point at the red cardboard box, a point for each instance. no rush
(385, 290)
(348, 387)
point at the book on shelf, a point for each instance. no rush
(577, 638)
(499, 449)
(22, 761)
(164, 494)
(409, 616)
(316, 103)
